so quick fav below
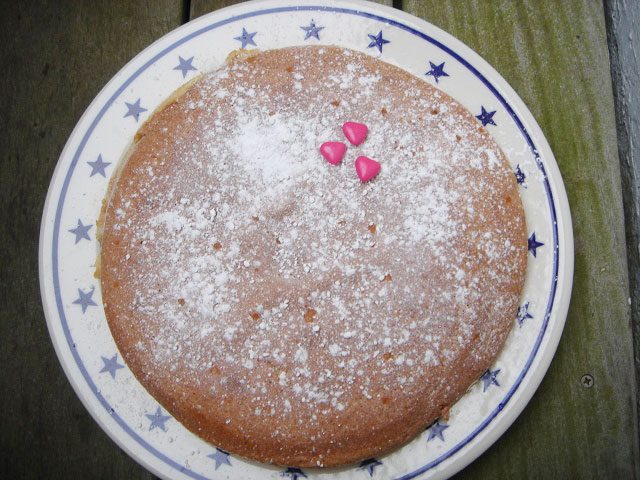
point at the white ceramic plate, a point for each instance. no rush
(68, 248)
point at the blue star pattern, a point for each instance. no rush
(523, 314)
(85, 300)
(220, 457)
(489, 378)
(377, 41)
(158, 420)
(98, 167)
(246, 38)
(437, 71)
(185, 66)
(134, 110)
(436, 431)
(486, 117)
(533, 244)
(369, 465)
(81, 231)
(312, 30)
(111, 365)
(293, 473)
(520, 176)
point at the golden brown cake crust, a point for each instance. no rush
(279, 307)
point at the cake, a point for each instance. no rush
(283, 306)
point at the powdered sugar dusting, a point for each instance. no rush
(266, 146)
(246, 266)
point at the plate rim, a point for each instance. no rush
(553, 183)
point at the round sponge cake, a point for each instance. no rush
(277, 305)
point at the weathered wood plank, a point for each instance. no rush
(555, 56)
(623, 23)
(56, 56)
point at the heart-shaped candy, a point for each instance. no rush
(366, 168)
(355, 132)
(333, 151)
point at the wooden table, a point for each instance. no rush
(55, 57)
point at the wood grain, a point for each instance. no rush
(623, 23)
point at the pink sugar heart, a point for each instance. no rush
(366, 168)
(333, 151)
(355, 132)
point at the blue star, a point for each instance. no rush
(436, 431)
(520, 176)
(185, 66)
(158, 420)
(134, 110)
(533, 244)
(293, 473)
(84, 299)
(523, 313)
(246, 38)
(489, 378)
(486, 117)
(81, 231)
(377, 41)
(312, 30)
(111, 365)
(221, 458)
(98, 167)
(369, 465)
(437, 71)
